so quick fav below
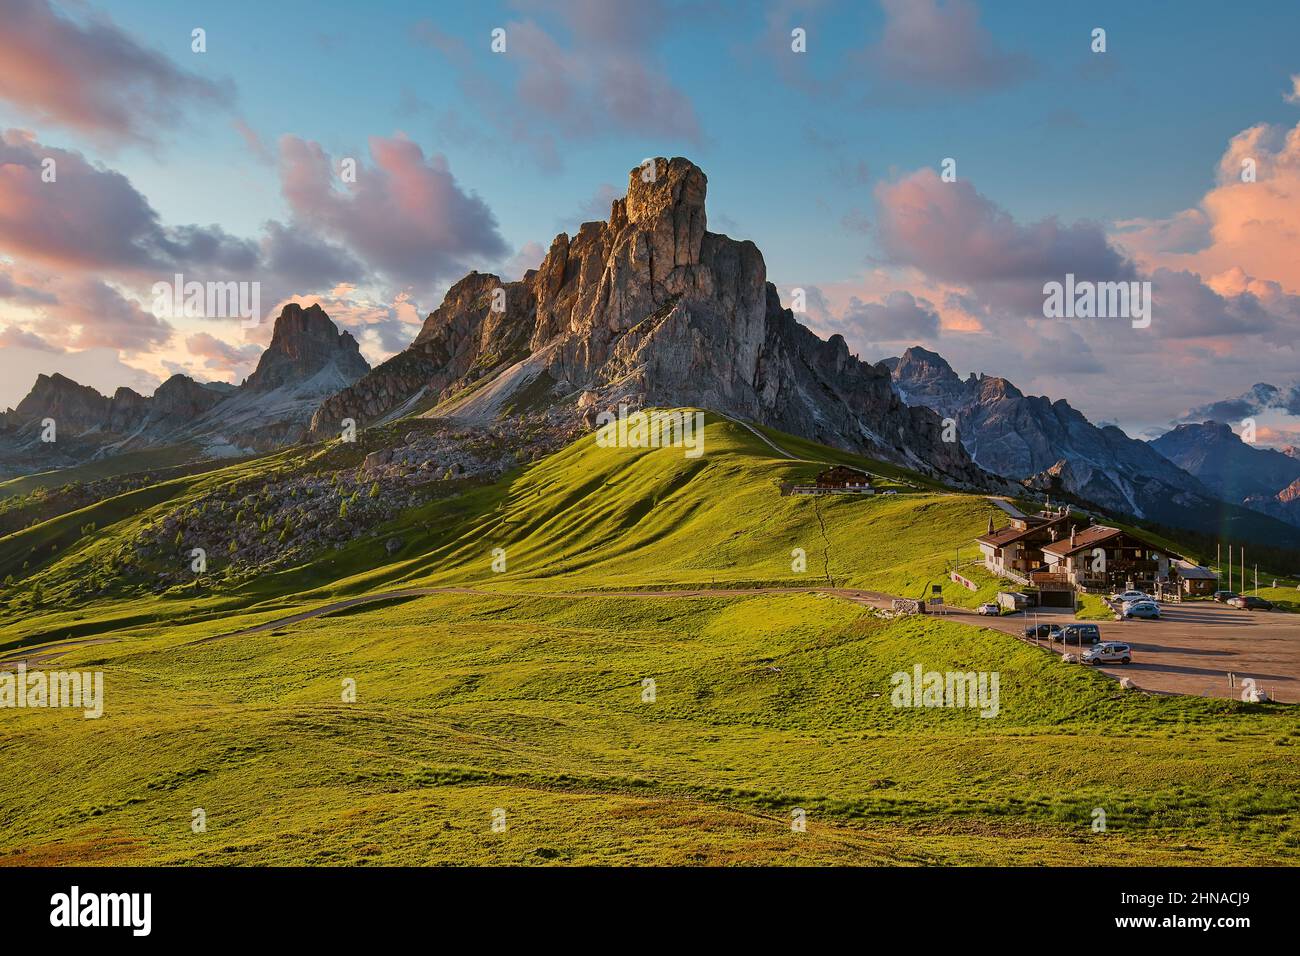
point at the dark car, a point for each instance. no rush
(1041, 631)
(1223, 597)
(1248, 602)
(1078, 634)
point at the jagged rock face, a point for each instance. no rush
(653, 309)
(1285, 505)
(303, 343)
(925, 378)
(459, 343)
(72, 406)
(127, 408)
(179, 398)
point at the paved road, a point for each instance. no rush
(1006, 505)
(47, 652)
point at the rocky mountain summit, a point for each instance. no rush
(647, 309)
(305, 344)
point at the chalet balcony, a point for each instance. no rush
(1051, 581)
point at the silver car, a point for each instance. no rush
(1108, 652)
(1145, 609)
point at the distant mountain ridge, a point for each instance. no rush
(1052, 447)
(1264, 479)
(307, 360)
(1216, 455)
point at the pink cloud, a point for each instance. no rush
(951, 232)
(232, 362)
(13, 337)
(92, 314)
(1254, 226)
(91, 217)
(88, 74)
(405, 216)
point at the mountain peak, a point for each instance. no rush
(673, 188)
(646, 309)
(1202, 432)
(304, 342)
(920, 364)
(1235, 469)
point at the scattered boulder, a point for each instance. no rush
(377, 459)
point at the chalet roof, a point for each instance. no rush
(1194, 571)
(842, 473)
(1004, 536)
(1087, 538)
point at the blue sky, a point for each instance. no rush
(797, 147)
(1186, 77)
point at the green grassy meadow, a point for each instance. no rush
(529, 696)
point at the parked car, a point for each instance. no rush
(1248, 602)
(1041, 631)
(1128, 596)
(1108, 652)
(1223, 597)
(1078, 634)
(1145, 609)
(992, 609)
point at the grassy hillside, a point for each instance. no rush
(470, 704)
(528, 696)
(587, 517)
(153, 459)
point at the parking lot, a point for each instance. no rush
(1194, 647)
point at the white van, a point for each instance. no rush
(1108, 652)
